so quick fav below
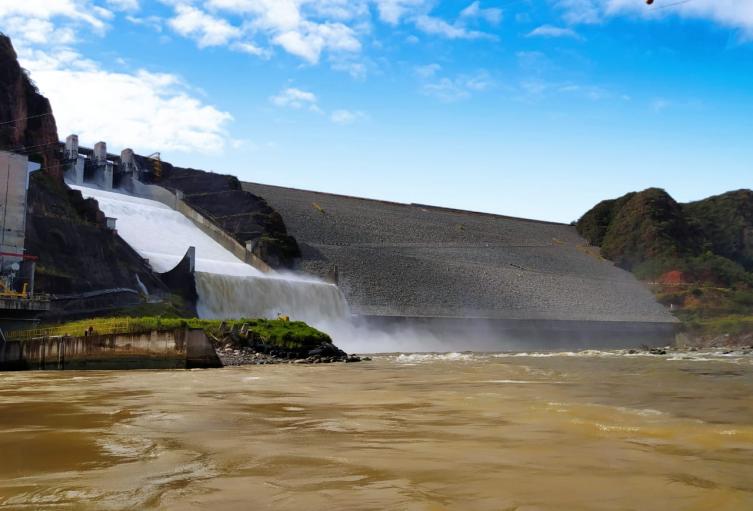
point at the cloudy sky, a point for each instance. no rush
(533, 108)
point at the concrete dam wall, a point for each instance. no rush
(413, 261)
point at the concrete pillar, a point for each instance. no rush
(71, 147)
(191, 255)
(111, 223)
(100, 153)
(127, 161)
(74, 170)
(107, 177)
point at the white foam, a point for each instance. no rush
(414, 358)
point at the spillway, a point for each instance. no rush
(227, 286)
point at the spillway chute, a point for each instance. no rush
(226, 286)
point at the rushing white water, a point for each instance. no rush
(231, 296)
(227, 287)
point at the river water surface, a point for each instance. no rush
(415, 432)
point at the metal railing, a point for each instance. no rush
(116, 326)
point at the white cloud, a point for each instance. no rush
(438, 26)
(153, 22)
(393, 11)
(351, 64)
(204, 28)
(736, 14)
(154, 111)
(427, 71)
(346, 117)
(78, 11)
(491, 14)
(583, 11)
(537, 88)
(296, 99)
(35, 31)
(461, 87)
(304, 28)
(660, 104)
(124, 5)
(310, 39)
(250, 48)
(552, 31)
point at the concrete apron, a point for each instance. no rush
(175, 349)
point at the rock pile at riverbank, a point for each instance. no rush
(244, 343)
(245, 355)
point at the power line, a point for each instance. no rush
(27, 149)
(667, 6)
(24, 118)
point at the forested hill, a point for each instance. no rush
(698, 257)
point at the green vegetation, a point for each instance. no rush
(275, 332)
(173, 306)
(697, 257)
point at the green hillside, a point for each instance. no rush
(696, 257)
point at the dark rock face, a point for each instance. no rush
(243, 215)
(67, 233)
(28, 124)
(76, 252)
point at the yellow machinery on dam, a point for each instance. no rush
(18, 302)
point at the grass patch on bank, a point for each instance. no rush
(733, 324)
(273, 332)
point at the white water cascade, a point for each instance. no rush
(227, 287)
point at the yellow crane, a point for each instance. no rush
(156, 165)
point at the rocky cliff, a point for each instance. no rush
(245, 216)
(28, 125)
(77, 253)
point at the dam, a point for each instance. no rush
(462, 272)
(378, 275)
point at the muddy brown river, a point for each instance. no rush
(569, 431)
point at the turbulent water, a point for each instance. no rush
(227, 287)
(230, 296)
(575, 431)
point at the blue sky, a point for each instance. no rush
(532, 108)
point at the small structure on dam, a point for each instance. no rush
(423, 265)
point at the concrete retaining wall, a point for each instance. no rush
(178, 349)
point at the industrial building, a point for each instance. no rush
(17, 299)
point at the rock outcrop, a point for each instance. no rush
(77, 253)
(28, 125)
(243, 215)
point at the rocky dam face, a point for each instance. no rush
(413, 260)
